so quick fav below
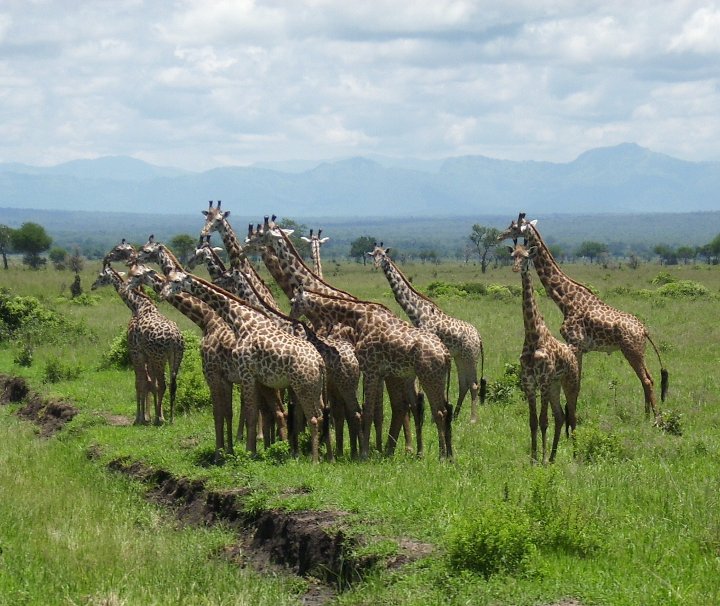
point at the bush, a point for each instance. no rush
(85, 300)
(683, 289)
(503, 390)
(24, 357)
(593, 445)
(278, 453)
(192, 391)
(670, 422)
(662, 278)
(498, 541)
(56, 371)
(498, 291)
(118, 356)
(443, 289)
(474, 288)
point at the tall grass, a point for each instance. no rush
(651, 499)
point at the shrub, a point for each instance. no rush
(443, 289)
(278, 453)
(24, 357)
(670, 422)
(499, 291)
(662, 278)
(498, 541)
(118, 356)
(683, 289)
(192, 391)
(504, 389)
(474, 288)
(56, 371)
(85, 300)
(593, 445)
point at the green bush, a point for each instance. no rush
(662, 278)
(278, 453)
(24, 357)
(192, 391)
(593, 445)
(118, 356)
(474, 288)
(670, 422)
(499, 291)
(683, 289)
(504, 389)
(85, 300)
(56, 371)
(443, 289)
(497, 541)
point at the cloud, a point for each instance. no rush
(199, 83)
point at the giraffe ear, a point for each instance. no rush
(226, 214)
(305, 239)
(217, 249)
(204, 212)
(532, 251)
(533, 222)
(511, 250)
(387, 250)
(323, 240)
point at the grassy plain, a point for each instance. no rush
(648, 500)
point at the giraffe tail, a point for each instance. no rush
(483, 380)
(664, 375)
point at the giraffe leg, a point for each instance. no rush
(467, 381)
(571, 387)
(399, 411)
(637, 362)
(417, 408)
(158, 373)
(373, 400)
(558, 417)
(221, 395)
(142, 391)
(532, 406)
(544, 401)
(250, 394)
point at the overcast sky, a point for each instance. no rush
(199, 84)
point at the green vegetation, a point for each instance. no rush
(629, 513)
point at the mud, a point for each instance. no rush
(48, 414)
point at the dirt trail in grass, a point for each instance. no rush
(311, 544)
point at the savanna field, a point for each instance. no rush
(627, 515)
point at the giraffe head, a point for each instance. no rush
(379, 254)
(299, 303)
(139, 275)
(318, 240)
(522, 254)
(105, 277)
(517, 228)
(176, 282)
(122, 252)
(149, 250)
(215, 218)
(265, 235)
(203, 253)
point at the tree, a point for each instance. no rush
(485, 240)
(31, 239)
(359, 248)
(667, 255)
(58, 256)
(592, 250)
(685, 253)
(5, 243)
(183, 245)
(75, 261)
(711, 250)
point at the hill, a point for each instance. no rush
(622, 179)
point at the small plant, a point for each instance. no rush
(24, 357)
(278, 453)
(498, 541)
(56, 371)
(499, 291)
(85, 300)
(593, 445)
(670, 422)
(504, 389)
(662, 278)
(118, 356)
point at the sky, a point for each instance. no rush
(200, 84)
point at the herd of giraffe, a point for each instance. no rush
(249, 342)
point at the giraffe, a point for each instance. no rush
(219, 367)
(343, 369)
(217, 220)
(265, 355)
(387, 346)
(160, 254)
(153, 342)
(589, 323)
(315, 243)
(121, 252)
(460, 337)
(290, 272)
(546, 364)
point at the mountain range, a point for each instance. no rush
(625, 178)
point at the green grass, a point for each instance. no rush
(652, 508)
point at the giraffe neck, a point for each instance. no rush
(315, 248)
(136, 301)
(167, 261)
(239, 316)
(413, 303)
(215, 266)
(232, 244)
(559, 287)
(535, 327)
(288, 269)
(324, 310)
(197, 311)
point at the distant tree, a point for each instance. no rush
(711, 250)
(183, 245)
(359, 248)
(31, 239)
(58, 256)
(75, 261)
(667, 255)
(556, 251)
(5, 243)
(592, 250)
(485, 240)
(685, 253)
(428, 255)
